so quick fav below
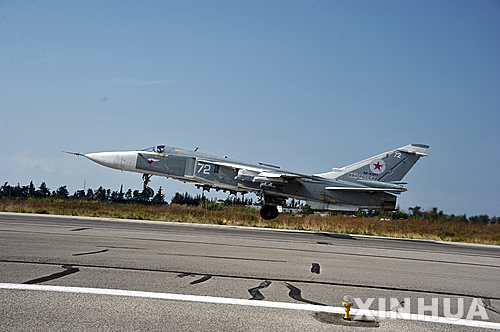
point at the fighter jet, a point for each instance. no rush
(370, 184)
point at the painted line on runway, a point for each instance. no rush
(253, 303)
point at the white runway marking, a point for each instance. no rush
(253, 303)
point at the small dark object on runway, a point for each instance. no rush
(338, 319)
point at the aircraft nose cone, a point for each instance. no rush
(108, 159)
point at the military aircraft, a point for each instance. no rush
(370, 184)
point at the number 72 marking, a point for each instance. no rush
(204, 168)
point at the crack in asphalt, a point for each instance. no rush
(296, 294)
(182, 275)
(91, 253)
(255, 292)
(338, 253)
(197, 281)
(202, 279)
(68, 270)
(343, 253)
(80, 229)
(488, 306)
(313, 282)
(116, 247)
(224, 257)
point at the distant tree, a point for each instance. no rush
(79, 194)
(482, 219)
(6, 190)
(177, 199)
(432, 214)
(16, 191)
(100, 194)
(398, 215)
(90, 194)
(306, 209)
(117, 197)
(128, 195)
(186, 199)
(121, 197)
(416, 211)
(159, 198)
(235, 200)
(62, 192)
(138, 197)
(32, 189)
(21, 191)
(43, 191)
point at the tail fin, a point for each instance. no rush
(389, 166)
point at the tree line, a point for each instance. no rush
(106, 195)
(188, 199)
(149, 197)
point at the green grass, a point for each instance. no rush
(243, 216)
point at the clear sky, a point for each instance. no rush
(307, 85)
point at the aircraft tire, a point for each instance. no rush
(268, 212)
(275, 212)
(148, 192)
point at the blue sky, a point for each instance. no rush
(307, 85)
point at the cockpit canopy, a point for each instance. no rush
(157, 149)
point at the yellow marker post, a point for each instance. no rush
(347, 302)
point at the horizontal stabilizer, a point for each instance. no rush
(418, 149)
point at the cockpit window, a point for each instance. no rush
(157, 149)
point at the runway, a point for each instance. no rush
(269, 267)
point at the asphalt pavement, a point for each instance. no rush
(74, 273)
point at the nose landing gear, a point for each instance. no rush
(147, 191)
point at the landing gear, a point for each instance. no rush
(268, 212)
(147, 191)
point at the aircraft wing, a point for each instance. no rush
(277, 177)
(231, 165)
(366, 189)
(257, 174)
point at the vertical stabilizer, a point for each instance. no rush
(389, 166)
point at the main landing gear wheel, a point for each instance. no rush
(268, 212)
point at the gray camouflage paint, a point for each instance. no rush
(368, 184)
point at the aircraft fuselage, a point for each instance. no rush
(370, 184)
